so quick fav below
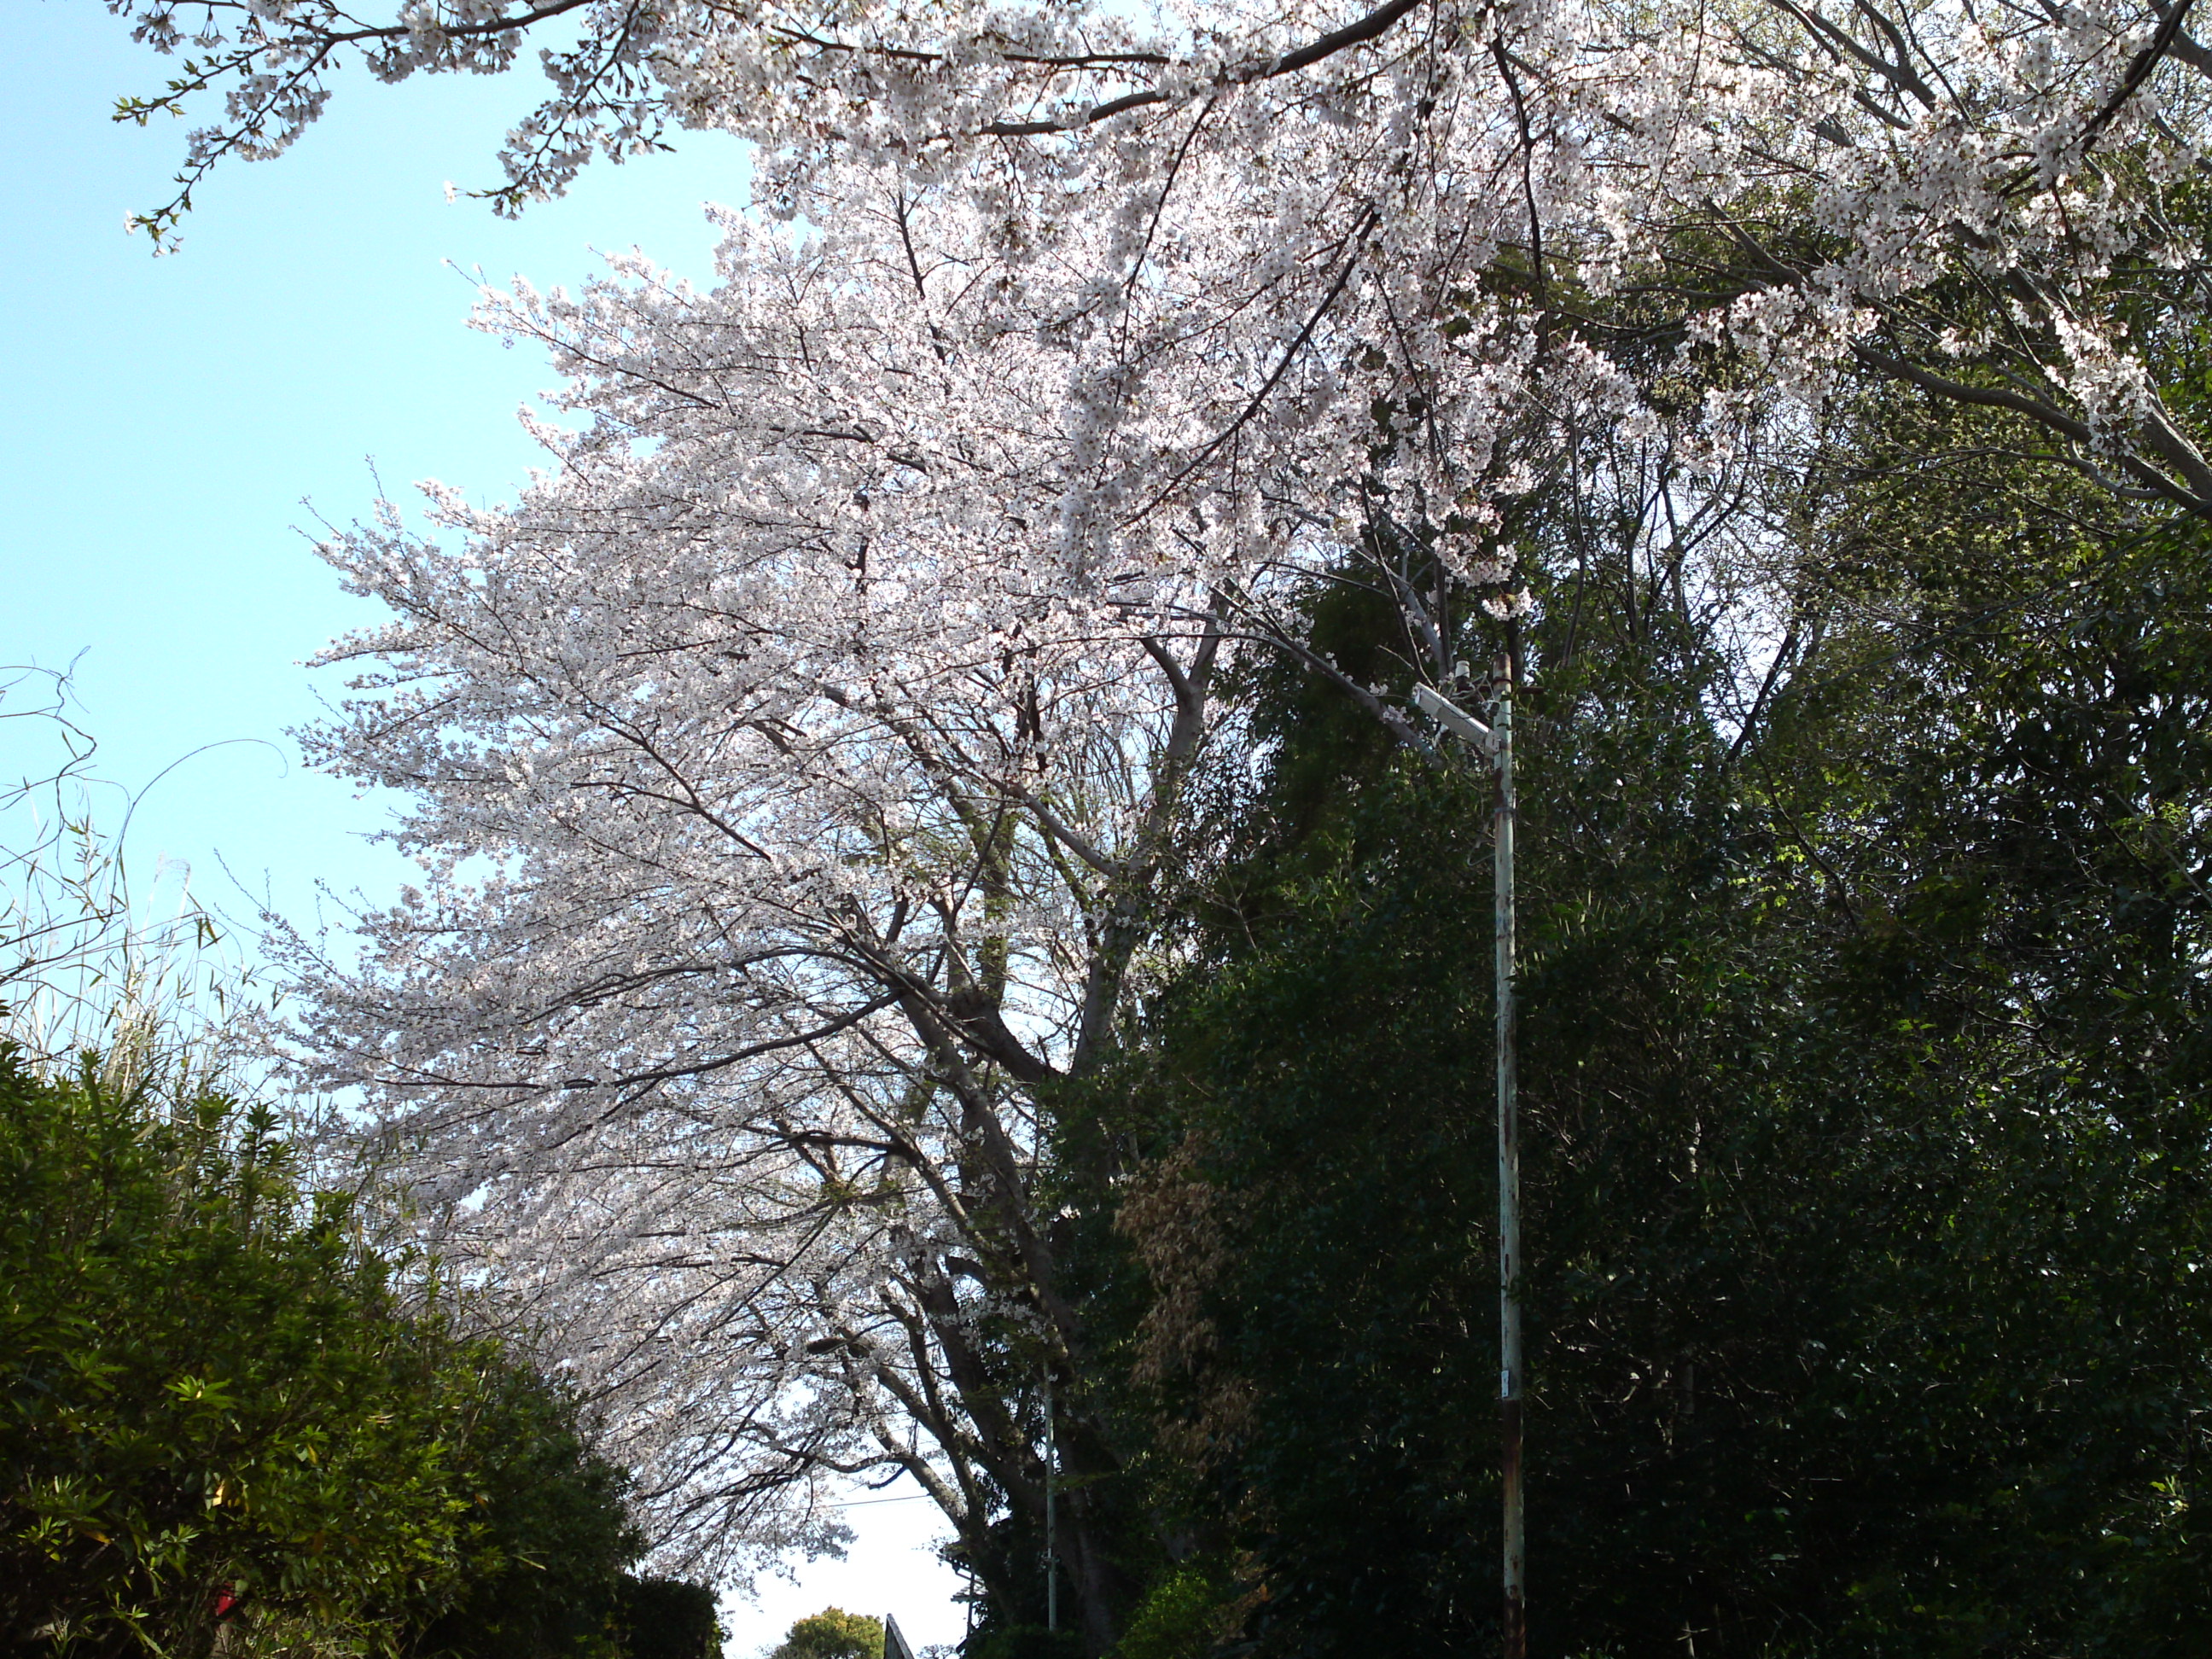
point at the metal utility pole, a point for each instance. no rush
(1051, 1516)
(1510, 1370)
(1496, 741)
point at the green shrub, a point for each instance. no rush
(833, 1633)
(218, 1400)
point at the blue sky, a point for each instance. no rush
(164, 419)
(161, 421)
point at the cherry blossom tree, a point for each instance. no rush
(792, 824)
(1989, 203)
(795, 769)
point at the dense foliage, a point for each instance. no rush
(1866, 1065)
(221, 1408)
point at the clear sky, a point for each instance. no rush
(163, 420)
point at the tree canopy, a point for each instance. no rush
(833, 1633)
(1864, 1060)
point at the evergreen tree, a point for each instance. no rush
(1866, 1086)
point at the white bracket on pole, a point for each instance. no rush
(1454, 720)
